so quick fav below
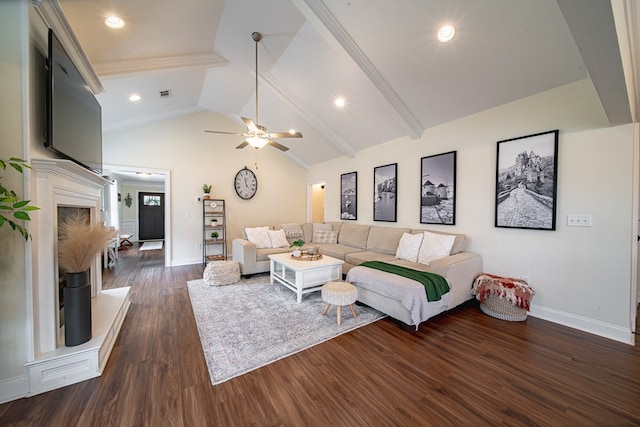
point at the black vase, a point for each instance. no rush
(77, 309)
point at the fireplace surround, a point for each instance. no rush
(62, 183)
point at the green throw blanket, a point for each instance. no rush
(434, 284)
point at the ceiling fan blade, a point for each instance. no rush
(278, 146)
(224, 133)
(242, 145)
(285, 135)
(249, 124)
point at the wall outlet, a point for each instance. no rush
(579, 220)
(199, 246)
(197, 199)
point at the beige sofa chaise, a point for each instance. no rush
(357, 243)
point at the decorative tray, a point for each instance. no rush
(307, 257)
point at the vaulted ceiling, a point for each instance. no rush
(381, 56)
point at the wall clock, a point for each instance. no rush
(245, 183)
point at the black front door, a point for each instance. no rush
(151, 216)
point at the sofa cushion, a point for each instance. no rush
(259, 236)
(321, 236)
(385, 239)
(434, 246)
(278, 239)
(356, 258)
(336, 250)
(307, 231)
(354, 235)
(263, 254)
(458, 244)
(409, 264)
(409, 246)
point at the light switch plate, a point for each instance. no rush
(579, 220)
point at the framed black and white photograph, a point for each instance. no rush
(385, 200)
(437, 189)
(349, 196)
(526, 182)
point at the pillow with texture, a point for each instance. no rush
(259, 236)
(278, 239)
(409, 247)
(434, 246)
(322, 236)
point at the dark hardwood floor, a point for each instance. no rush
(461, 368)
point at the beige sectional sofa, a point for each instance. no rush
(357, 243)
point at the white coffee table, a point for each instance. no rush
(304, 276)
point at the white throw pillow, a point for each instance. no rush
(259, 236)
(434, 246)
(278, 239)
(409, 247)
(321, 236)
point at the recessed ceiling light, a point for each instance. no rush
(135, 97)
(292, 131)
(340, 102)
(446, 33)
(114, 22)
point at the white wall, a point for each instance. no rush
(581, 275)
(194, 158)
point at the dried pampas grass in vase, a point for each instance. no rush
(81, 242)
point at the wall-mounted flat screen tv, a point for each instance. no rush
(74, 116)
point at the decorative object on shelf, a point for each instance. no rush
(215, 235)
(214, 222)
(206, 189)
(438, 189)
(297, 245)
(245, 183)
(349, 196)
(80, 243)
(9, 201)
(385, 187)
(128, 200)
(213, 205)
(526, 180)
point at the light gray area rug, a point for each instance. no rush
(245, 326)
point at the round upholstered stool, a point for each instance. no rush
(339, 294)
(218, 273)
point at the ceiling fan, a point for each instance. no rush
(257, 135)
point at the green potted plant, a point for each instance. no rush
(206, 188)
(297, 245)
(214, 235)
(10, 204)
(214, 222)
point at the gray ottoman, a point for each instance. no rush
(339, 294)
(219, 273)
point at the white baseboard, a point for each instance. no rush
(14, 388)
(585, 324)
(186, 261)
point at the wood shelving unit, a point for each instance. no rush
(214, 220)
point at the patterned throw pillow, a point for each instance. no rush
(324, 236)
(278, 239)
(409, 247)
(434, 246)
(259, 236)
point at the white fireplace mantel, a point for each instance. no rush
(52, 365)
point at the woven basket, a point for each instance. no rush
(502, 309)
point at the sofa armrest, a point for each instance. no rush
(244, 253)
(460, 269)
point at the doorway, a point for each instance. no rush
(316, 195)
(150, 216)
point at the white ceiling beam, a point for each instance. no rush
(411, 123)
(626, 14)
(314, 120)
(207, 60)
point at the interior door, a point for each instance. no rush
(151, 216)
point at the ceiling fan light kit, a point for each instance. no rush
(257, 136)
